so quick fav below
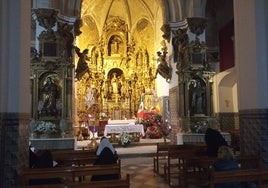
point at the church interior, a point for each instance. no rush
(74, 71)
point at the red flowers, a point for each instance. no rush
(154, 125)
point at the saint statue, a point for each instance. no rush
(114, 84)
(198, 99)
(50, 93)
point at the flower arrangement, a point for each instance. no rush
(125, 139)
(154, 125)
(198, 126)
(45, 128)
(153, 132)
(103, 116)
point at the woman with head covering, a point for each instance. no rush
(104, 142)
(214, 140)
(106, 154)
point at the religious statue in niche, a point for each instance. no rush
(198, 97)
(115, 45)
(89, 100)
(180, 43)
(66, 40)
(114, 83)
(82, 66)
(49, 105)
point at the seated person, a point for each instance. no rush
(226, 161)
(104, 142)
(41, 159)
(214, 140)
(106, 154)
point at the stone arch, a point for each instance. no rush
(227, 90)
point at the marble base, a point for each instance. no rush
(196, 138)
(52, 143)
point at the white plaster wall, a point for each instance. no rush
(250, 50)
(15, 56)
(162, 86)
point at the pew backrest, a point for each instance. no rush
(120, 183)
(68, 174)
(239, 176)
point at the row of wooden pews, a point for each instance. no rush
(190, 166)
(75, 169)
(120, 183)
(74, 157)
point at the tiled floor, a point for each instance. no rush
(141, 173)
(137, 160)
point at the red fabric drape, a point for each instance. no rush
(226, 46)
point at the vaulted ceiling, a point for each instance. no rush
(144, 17)
(129, 10)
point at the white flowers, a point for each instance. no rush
(103, 115)
(125, 139)
(45, 128)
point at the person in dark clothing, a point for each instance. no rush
(214, 140)
(226, 161)
(106, 154)
(41, 159)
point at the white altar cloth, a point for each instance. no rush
(124, 121)
(128, 128)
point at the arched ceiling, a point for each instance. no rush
(131, 11)
(143, 19)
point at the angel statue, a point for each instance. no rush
(163, 68)
(82, 66)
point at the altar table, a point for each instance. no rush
(128, 128)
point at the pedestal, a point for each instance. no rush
(52, 143)
(198, 138)
(102, 124)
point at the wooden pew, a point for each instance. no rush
(68, 174)
(198, 169)
(57, 154)
(176, 159)
(88, 171)
(191, 168)
(28, 175)
(241, 175)
(161, 155)
(64, 157)
(76, 161)
(120, 183)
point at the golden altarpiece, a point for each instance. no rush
(113, 73)
(120, 72)
(51, 82)
(195, 77)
